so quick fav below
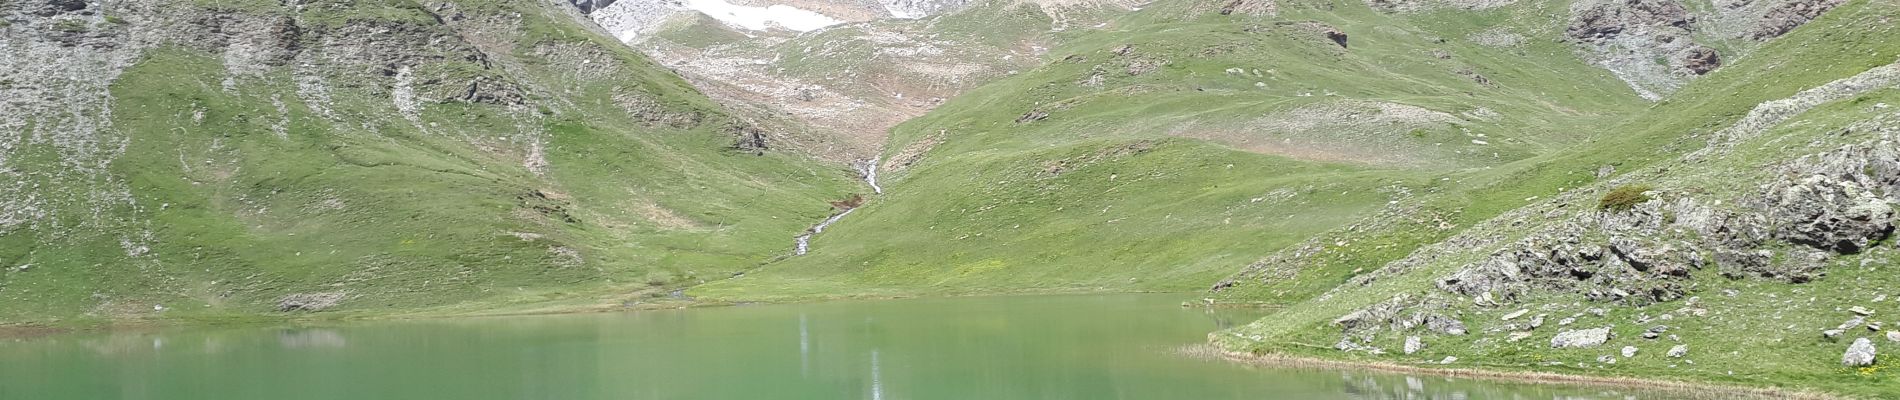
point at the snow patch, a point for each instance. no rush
(762, 18)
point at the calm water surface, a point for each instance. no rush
(1027, 347)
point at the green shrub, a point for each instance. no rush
(1624, 197)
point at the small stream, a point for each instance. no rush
(804, 240)
(867, 170)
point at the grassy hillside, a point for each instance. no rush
(1748, 330)
(1164, 152)
(398, 157)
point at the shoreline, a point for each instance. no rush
(36, 329)
(1688, 389)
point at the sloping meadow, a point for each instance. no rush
(1756, 247)
(371, 156)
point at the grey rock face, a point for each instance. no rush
(1610, 19)
(1413, 344)
(1828, 213)
(1582, 338)
(1787, 16)
(1403, 314)
(1859, 354)
(1628, 36)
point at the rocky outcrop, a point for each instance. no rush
(1607, 20)
(748, 138)
(1402, 314)
(1788, 226)
(1646, 254)
(1320, 29)
(1699, 60)
(1628, 36)
(656, 114)
(1337, 36)
(1827, 213)
(1786, 16)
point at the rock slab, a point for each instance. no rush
(1859, 354)
(1581, 338)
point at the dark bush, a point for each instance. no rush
(1624, 197)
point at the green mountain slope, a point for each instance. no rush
(243, 158)
(1162, 154)
(1715, 257)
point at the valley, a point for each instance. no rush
(1701, 191)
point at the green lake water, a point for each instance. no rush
(1016, 347)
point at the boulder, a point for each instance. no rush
(1655, 331)
(1515, 314)
(1679, 351)
(1859, 354)
(1852, 323)
(1699, 60)
(1893, 336)
(1582, 338)
(1629, 351)
(1445, 325)
(1413, 344)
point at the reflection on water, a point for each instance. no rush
(311, 338)
(1049, 347)
(804, 347)
(877, 384)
